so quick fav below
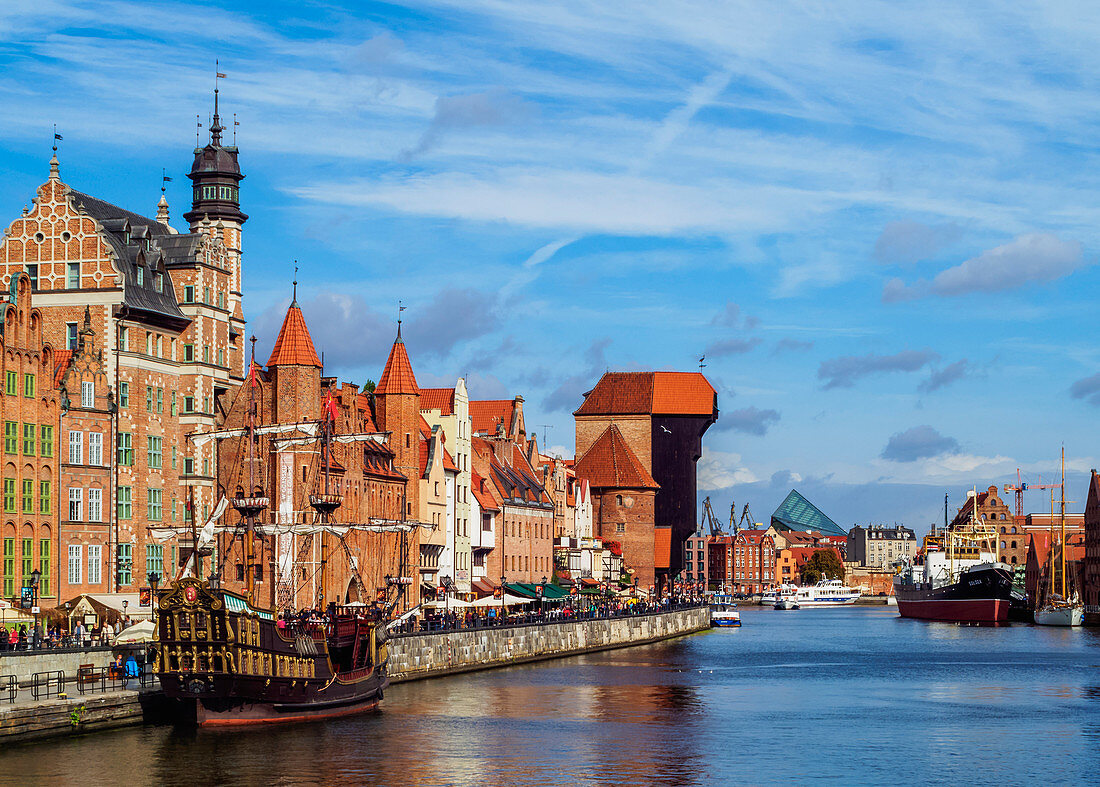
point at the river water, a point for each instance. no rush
(852, 695)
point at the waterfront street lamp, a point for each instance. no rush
(503, 593)
(36, 577)
(154, 581)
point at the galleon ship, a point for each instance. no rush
(227, 658)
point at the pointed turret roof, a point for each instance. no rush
(610, 464)
(397, 377)
(294, 347)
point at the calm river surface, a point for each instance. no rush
(854, 695)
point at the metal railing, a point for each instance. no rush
(11, 685)
(47, 684)
(457, 621)
(92, 679)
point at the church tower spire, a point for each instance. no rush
(216, 176)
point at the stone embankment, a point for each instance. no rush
(418, 656)
(412, 657)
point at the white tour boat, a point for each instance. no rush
(826, 593)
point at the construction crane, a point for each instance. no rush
(1022, 487)
(709, 519)
(746, 514)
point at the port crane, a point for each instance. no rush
(709, 519)
(1020, 487)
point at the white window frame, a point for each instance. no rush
(95, 564)
(87, 394)
(95, 448)
(76, 447)
(95, 505)
(76, 504)
(76, 564)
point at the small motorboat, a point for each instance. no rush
(723, 611)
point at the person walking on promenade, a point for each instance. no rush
(13, 638)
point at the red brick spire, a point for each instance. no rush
(294, 347)
(397, 377)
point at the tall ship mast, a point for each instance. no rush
(1063, 605)
(228, 657)
(959, 577)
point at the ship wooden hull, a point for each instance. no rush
(227, 663)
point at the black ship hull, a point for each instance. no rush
(982, 595)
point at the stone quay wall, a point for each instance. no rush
(24, 663)
(78, 714)
(418, 656)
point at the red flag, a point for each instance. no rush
(330, 407)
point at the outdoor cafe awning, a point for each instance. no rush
(509, 601)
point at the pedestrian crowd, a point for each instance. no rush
(573, 608)
(21, 636)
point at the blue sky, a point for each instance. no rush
(876, 220)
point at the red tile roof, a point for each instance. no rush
(442, 399)
(294, 347)
(610, 464)
(657, 393)
(397, 377)
(485, 414)
(484, 496)
(63, 358)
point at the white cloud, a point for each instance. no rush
(721, 469)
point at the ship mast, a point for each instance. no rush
(1063, 518)
(249, 505)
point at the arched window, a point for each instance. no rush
(618, 500)
(1002, 531)
(1013, 559)
(1013, 531)
(1002, 545)
(1013, 544)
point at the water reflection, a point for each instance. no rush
(906, 701)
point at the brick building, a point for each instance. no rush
(30, 408)
(1091, 572)
(165, 307)
(660, 418)
(1014, 537)
(524, 538)
(623, 497)
(371, 475)
(86, 478)
(752, 562)
(991, 509)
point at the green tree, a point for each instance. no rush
(368, 386)
(822, 564)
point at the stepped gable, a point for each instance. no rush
(140, 242)
(610, 464)
(655, 393)
(294, 347)
(397, 377)
(442, 399)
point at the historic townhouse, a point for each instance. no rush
(449, 408)
(30, 407)
(753, 561)
(524, 542)
(305, 570)
(87, 536)
(166, 308)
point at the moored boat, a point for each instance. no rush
(723, 611)
(787, 602)
(826, 593)
(1065, 608)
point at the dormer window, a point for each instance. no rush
(140, 276)
(158, 282)
(126, 237)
